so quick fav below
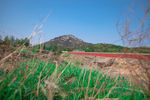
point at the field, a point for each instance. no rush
(34, 76)
(37, 79)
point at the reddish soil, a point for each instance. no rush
(115, 55)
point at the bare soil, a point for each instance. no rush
(136, 71)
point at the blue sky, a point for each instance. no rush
(93, 21)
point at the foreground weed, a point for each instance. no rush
(44, 80)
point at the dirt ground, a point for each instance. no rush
(136, 71)
(5, 49)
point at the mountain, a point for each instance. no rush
(70, 42)
(67, 41)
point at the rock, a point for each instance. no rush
(104, 62)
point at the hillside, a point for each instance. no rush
(67, 41)
(70, 42)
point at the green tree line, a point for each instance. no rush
(15, 41)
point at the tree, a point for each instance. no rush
(0, 38)
(27, 42)
(12, 40)
(6, 39)
(17, 42)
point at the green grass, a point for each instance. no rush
(25, 51)
(27, 81)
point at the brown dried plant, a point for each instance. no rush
(137, 37)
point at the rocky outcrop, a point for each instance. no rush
(67, 41)
(104, 62)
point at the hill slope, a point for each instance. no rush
(67, 41)
(70, 42)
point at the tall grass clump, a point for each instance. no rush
(36, 79)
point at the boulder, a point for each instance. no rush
(104, 62)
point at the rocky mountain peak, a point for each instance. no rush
(66, 41)
(69, 37)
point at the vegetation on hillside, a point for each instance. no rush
(15, 41)
(100, 48)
